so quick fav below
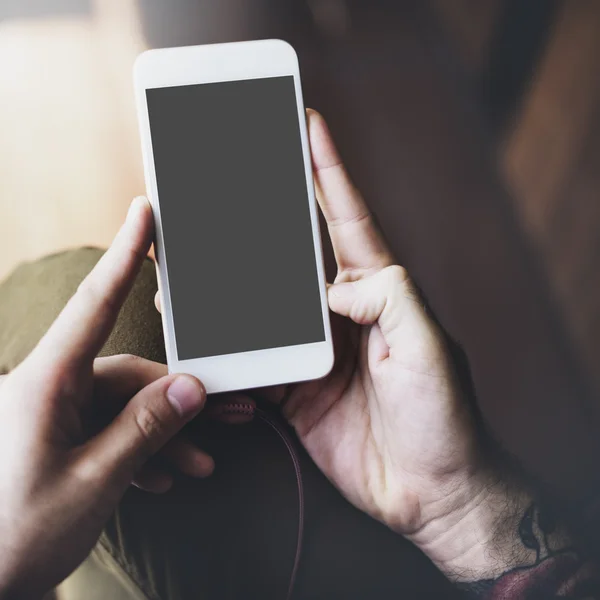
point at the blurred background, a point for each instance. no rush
(472, 127)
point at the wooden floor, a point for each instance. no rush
(498, 224)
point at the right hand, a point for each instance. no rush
(389, 426)
(63, 471)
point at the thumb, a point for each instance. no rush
(386, 298)
(148, 422)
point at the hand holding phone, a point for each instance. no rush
(389, 426)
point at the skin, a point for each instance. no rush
(59, 479)
(389, 426)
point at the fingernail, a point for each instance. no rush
(186, 395)
(136, 205)
(342, 290)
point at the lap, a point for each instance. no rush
(34, 294)
(232, 535)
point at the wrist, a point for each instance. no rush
(473, 537)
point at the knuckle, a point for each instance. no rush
(141, 370)
(130, 360)
(362, 312)
(91, 475)
(151, 427)
(364, 216)
(89, 470)
(397, 274)
(64, 381)
(135, 251)
(89, 292)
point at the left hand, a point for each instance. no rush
(61, 476)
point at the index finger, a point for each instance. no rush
(85, 323)
(358, 244)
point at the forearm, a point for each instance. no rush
(504, 546)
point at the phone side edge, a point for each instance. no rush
(143, 62)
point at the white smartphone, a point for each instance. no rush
(229, 176)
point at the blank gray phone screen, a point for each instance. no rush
(235, 215)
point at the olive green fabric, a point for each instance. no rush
(33, 295)
(233, 535)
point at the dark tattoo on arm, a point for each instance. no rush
(557, 571)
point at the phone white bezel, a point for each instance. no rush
(208, 64)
